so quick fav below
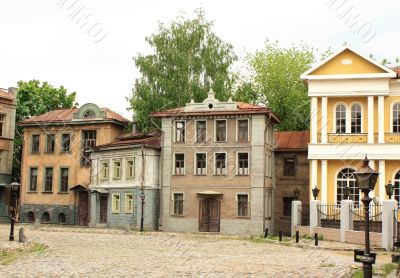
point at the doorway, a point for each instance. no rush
(83, 208)
(209, 215)
(103, 209)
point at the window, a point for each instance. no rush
(287, 206)
(178, 203)
(179, 164)
(62, 219)
(243, 163)
(355, 118)
(340, 119)
(396, 183)
(2, 122)
(48, 182)
(35, 143)
(220, 163)
(396, 118)
(220, 130)
(89, 114)
(243, 130)
(243, 201)
(33, 179)
(50, 143)
(201, 131)
(117, 170)
(345, 179)
(64, 179)
(128, 203)
(289, 167)
(30, 217)
(130, 169)
(115, 203)
(45, 217)
(89, 142)
(104, 170)
(180, 131)
(201, 163)
(65, 142)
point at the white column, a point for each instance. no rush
(346, 218)
(314, 175)
(381, 119)
(296, 216)
(388, 207)
(381, 179)
(315, 220)
(314, 120)
(324, 181)
(370, 119)
(324, 120)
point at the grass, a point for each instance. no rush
(385, 270)
(327, 265)
(7, 256)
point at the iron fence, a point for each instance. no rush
(375, 218)
(305, 215)
(330, 215)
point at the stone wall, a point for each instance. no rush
(358, 237)
(53, 210)
(303, 230)
(328, 233)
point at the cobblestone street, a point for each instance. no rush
(85, 252)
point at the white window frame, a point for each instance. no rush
(101, 169)
(391, 114)
(127, 170)
(237, 129)
(195, 130)
(336, 180)
(127, 210)
(237, 203)
(237, 164)
(195, 164)
(120, 169)
(113, 210)
(350, 118)
(184, 164)
(348, 124)
(185, 131)
(215, 130)
(173, 203)
(215, 162)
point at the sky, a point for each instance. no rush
(88, 46)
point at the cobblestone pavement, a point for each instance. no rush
(79, 252)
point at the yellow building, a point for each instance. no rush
(355, 110)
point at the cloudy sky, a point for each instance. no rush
(88, 46)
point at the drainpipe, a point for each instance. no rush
(142, 196)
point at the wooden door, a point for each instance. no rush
(209, 215)
(83, 208)
(103, 209)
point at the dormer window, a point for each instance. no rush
(89, 114)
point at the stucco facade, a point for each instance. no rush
(217, 168)
(121, 171)
(55, 171)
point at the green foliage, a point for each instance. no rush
(188, 59)
(36, 98)
(9, 255)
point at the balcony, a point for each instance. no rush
(358, 138)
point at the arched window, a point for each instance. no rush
(396, 118)
(62, 219)
(340, 118)
(30, 217)
(396, 183)
(345, 178)
(89, 114)
(356, 118)
(45, 217)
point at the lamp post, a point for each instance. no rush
(315, 192)
(366, 179)
(389, 189)
(296, 193)
(346, 192)
(142, 197)
(13, 210)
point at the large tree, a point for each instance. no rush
(188, 58)
(275, 81)
(35, 98)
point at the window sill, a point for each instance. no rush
(65, 152)
(177, 215)
(32, 192)
(242, 217)
(180, 142)
(224, 175)
(116, 178)
(221, 141)
(49, 152)
(180, 175)
(288, 177)
(200, 175)
(35, 153)
(242, 175)
(115, 212)
(63, 192)
(47, 192)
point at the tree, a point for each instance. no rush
(36, 98)
(188, 59)
(275, 81)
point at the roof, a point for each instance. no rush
(149, 140)
(242, 109)
(67, 115)
(291, 140)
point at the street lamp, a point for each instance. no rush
(315, 192)
(296, 193)
(366, 179)
(346, 192)
(13, 210)
(142, 197)
(389, 189)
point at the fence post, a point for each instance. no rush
(388, 207)
(315, 219)
(296, 216)
(346, 218)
